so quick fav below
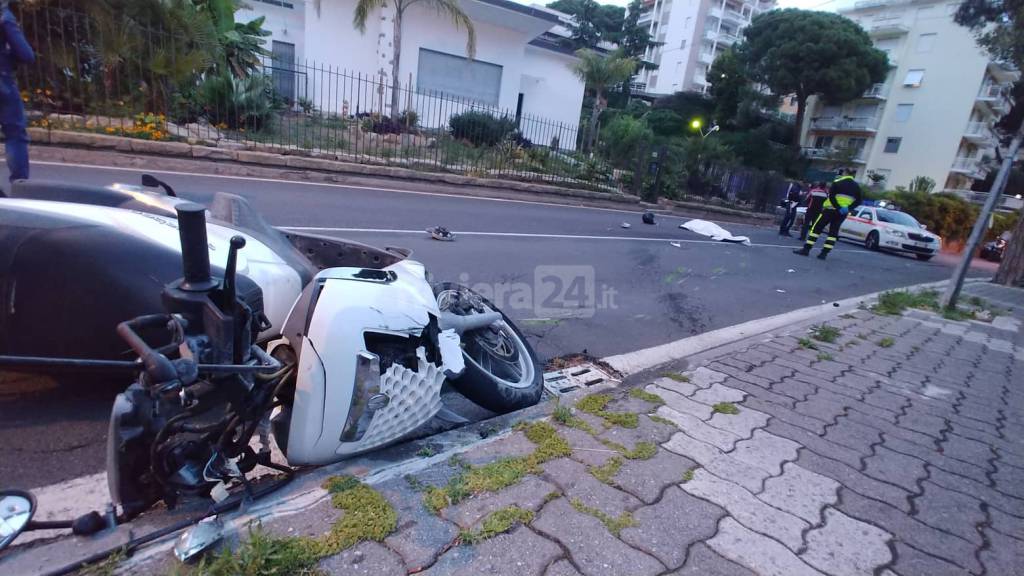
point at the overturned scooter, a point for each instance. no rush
(357, 364)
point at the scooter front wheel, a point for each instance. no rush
(502, 372)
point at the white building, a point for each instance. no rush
(690, 35)
(934, 113)
(517, 69)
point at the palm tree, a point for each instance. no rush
(447, 7)
(600, 72)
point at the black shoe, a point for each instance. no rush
(805, 251)
(822, 255)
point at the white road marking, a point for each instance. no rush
(526, 235)
(352, 187)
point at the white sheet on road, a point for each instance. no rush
(714, 231)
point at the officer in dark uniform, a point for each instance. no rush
(14, 50)
(815, 200)
(844, 195)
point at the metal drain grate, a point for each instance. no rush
(575, 378)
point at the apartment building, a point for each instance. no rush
(934, 113)
(690, 34)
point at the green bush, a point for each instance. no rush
(480, 128)
(947, 215)
(623, 138)
(237, 102)
(1001, 222)
(665, 122)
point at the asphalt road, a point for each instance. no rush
(572, 278)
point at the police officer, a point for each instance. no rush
(844, 195)
(14, 50)
(815, 200)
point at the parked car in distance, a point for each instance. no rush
(885, 229)
(993, 250)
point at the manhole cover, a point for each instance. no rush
(577, 377)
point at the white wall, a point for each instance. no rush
(552, 94)
(284, 24)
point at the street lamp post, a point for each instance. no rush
(698, 125)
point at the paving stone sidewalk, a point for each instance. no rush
(896, 450)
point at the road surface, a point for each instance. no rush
(573, 278)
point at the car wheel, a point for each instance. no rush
(871, 242)
(924, 257)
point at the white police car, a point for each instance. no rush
(885, 229)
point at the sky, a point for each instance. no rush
(829, 5)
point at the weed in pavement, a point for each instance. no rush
(641, 394)
(825, 333)
(806, 343)
(688, 475)
(595, 404)
(823, 356)
(497, 522)
(676, 376)
(660, 420)
(886, 342)
(725, 408)
(613, 524)
(893, 303)
(607, 471)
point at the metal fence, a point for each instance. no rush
(112, 75)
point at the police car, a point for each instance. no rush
(885, 229)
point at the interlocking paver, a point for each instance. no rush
(855, 480)
(948, 510)
(593, 549)
(647, 430)
(937, 459)
(703, 561)
(697, 428)
(913, 562)
(720, 464)
(747, 509)
(761, 393)
(930, 540)
(420, 535)
(794, 388)
(575, 481)
(681, 403)
(1005, 555)
(667, 529)
(787, 415)
(562, 568)
(677, 386)
(922, 422)
(766, 451)
(846, 546)
(987, 494)
(585, 448)
(502, 555)
(800, 492)
(760, 553)
(967, 450)
(853, 434)
(647, 479)
(528, 494)
(369, 558)
(815, 443)
(1009, 479)
(742, 424)
(718, 393)
(895, 468)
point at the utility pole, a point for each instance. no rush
(957, 282)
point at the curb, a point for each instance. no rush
(640, 361)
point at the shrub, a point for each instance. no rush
(480, 128)
(237, 102)
(408, 120)
(947, 215)
(665, 122)
(379, 124)
(623, 137)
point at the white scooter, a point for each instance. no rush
(332, 347)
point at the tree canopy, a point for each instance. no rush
(804, 52)
(998, 26)
(594, 22)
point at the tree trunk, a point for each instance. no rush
(594, 117)
(396, 96)
(801, 109)
(1011, 270)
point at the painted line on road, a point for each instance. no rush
(640, 360)
(529, 235)
(353, 187)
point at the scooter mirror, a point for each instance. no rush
(16, 510)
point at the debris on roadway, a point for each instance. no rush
(441, 233)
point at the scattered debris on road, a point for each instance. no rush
(676, 244)
(780, 290)
(648, 217)
(626, 225)
(713, 231)
(441, 233)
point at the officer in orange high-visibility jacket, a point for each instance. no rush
(844, 195)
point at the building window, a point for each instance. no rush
(823, 142)
(856, 143)
(471, 79)
(682, 45)
(914, 78)
(925, 42)
(903, 112)
(892, 145)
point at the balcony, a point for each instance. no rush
(706, 57)
(876, 92)
(835, 154)
(888, 29)
(979, 133)
(1008, 203)
(970, 166)
(995, 97)
(845, 124)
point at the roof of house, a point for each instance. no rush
(523, 9)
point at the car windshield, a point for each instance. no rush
(893, 217)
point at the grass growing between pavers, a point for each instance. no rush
(642, 450)
(807, 343)
(896, 302)
(367, 516)
(564, 416)
(725, 408)
(824, 356)
(607, 471)
(688, 475)
(886, 342)
(825, 333)
(660, 420)
(497, 522)
(595, 405)
(615, 525)
(676, 376)
(501, 473)
(641, 394)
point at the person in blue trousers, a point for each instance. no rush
(14, 50)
